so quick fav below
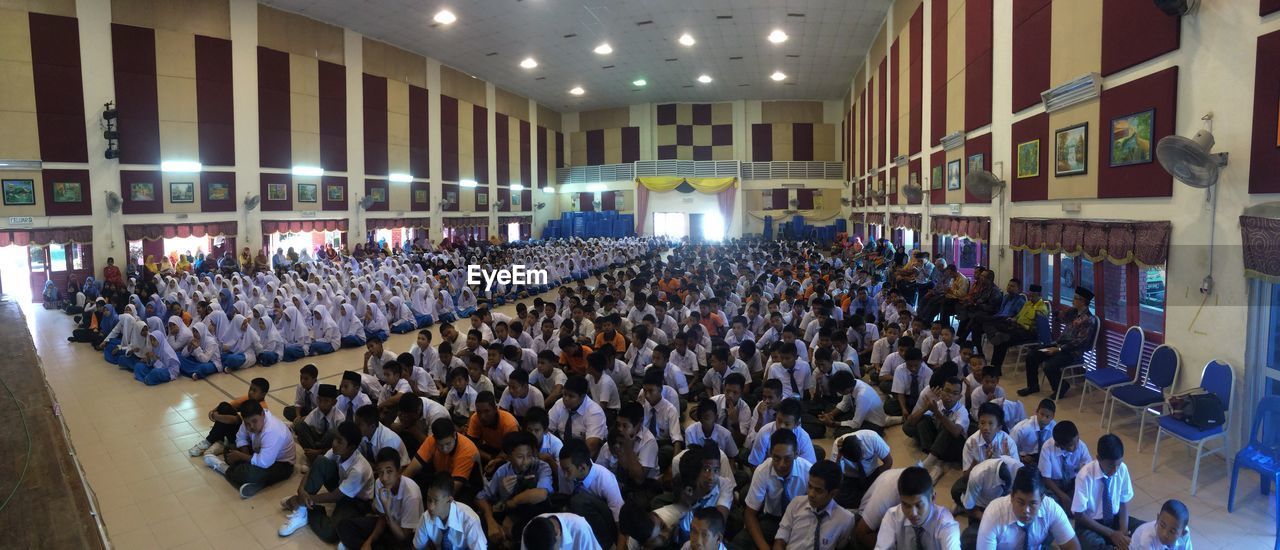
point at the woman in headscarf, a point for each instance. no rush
(466, 302)
(159, 363)
(423, 305)
(295, 334)
(112, 345)
(375, 323)
(106, 324)
(327, 336)
(137, 345)
(260, 264)
(402, 320)
(202, 356)
(178, 333)
(184, 264)
(242, 349)
(270, 347)
(445, 310)
(350, 327)
(50, 295)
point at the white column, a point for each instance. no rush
(353, 56)
(433, 154)
(491, 143)
(94, 20)
(244, 95)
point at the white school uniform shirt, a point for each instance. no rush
(882, 348)
(547, 383)
(902, 381)
(462, 530)
(984, 483)
(760, 444)
(942, 353)
(866, 404)
(695, 435)
(874, 450)
(498, 373)
(351, 405)
(432, 411)
(646, 448)
(550, 445)
(274, 444)
(300, 396)
(520, 405)
(1145, 538)
(1059, 465)
(687, 361)
(483, 384)
(674, 377)
(821, 383)
(638, 358)
(743, 421)
(800, 522)
(355, 475)
(766, 494)
(926, 343)
(666, 419)
(403, 507)
(425, 382)
(575, 533)
(978, 449)
(588, 420)
(1088, 499)
(401, 387)
(374, 366)
(1029, 436)
(541, 344)
(604, 391)
(977, 397)
(461, 405)
(428, 359)
(324, 423)
(385, 438)
(600, 482)
(1000, 528)
(891, 364)
(941, 532)
(802, 374)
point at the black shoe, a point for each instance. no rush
(1028, 391)
(1063, 388)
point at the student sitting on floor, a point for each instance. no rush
(520, 396)
(315, 431)
(448, 523)
(940, 426)
(987, 481)
(202, 356)
(158, 364)
(1169, 532)
(990, 441)
(776, 481)
(1100, 502)
(348, 478)
(706, 429)
(350, 396)
(588, 489)
(1031, 433)
(263, 455)
(1026, 518)
(1061, 458)
(397, 507)
(461, 400)
(917, 521)
(518, 491)
(816, 521)
(788, 418)
(377, 436)
(226, 419)
(862, 456)
(561, 531)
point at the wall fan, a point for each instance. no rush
(1192, 162)
(113, 202)
(251, 201)
(984, 185)
(540, 205)
(912, 190)
(366, 203)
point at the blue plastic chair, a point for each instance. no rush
(1151, 392)
(1262, 454)
(1104, 378)
(1217, 378)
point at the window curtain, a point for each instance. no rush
(875, 218)
(586, 202)
(974, 228)
(24, 237)
(780, 199)
(1119, 242)
(642, 208)
(396, 223)
(298, 226)
(151, 232)
(804, 199)
(1261, 239)
(903, 220)
(608, 201)
(725, 200)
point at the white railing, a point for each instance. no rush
(813, 170)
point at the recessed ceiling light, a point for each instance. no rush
(604, 49)
(529, 63)
(444, 17)
(639, 82)
(577, 90)
(687, 40)
(777, 36)
(778, 76)
(705, 79)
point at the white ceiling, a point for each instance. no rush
(829, 40)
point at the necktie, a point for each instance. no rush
(1026, 535)
(446, 544)
(786, 494)
(653, 421)
(420, 363)
(817, 529)
(919, 533)
(568, 425)
(1039, 439)
(724, 421)
(351, 415)
(324, 424)
(795, 388)
(1066, 474)
(366, 449)
(913, 392)
(991, 448)
(1107, 514)
(306, 401)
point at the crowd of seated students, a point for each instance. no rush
(649, 397)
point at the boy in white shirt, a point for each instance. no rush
(263, 454)
(990, 390)
(946, 349)
(1031, 433)
(1061, 458)
(520, 396)
(987, 481)
(793, 373)
(315, 433)
(397, 505)
(990, 441)
(461, 399)
(732, 411)
(1025, 518)
(1169, 532)
(917, 522)
(940, 425)
(343, 468)
(816, 520)
(632, 454)
(565, 530)
(602, 387)
(1101, 498)
(862, 456)
(706, 429)
(446, 522)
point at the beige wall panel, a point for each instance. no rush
(397, 97)
(179, 140)
(902, 10)
(722, 113)
(511, 104)
(304, 75)
(955, 44)
(791, 111)
(299, 35)
(397, 129)
(398, 159)
(466, 166)
(466, 144)
(873, 111)
(684, 114)
(15, 36)
(177, 99)
(577, 148)
(385, 60)
(604, 118)
(180, 207)
(666, 134)
(21, 136)
(613, 146)
(455, 83)
(702, 135)
(722, 152)
(37, 178)
(903, 173)
(783, 142)
(858, 78)
(17, 87)
(175, 54)
(204, 17)
(304, 113)
(52, 7)
(824, 142)
(1076, 41)
(877, 49)
(955, 196)
(955, 104)
(466, 117)
(399, 196)
(306, 147)
(548, 118)
(1084, 186)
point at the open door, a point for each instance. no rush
(695, 228)
(38, 263)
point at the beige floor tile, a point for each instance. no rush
(137, 539)
(176, 531)
(126, 518)
(214, 519)
(235, 538)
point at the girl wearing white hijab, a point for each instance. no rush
(242, 346)
(135, 345)
(350, 327)
(295, 334)
(203, 356)
(375, 323)
(270, 346)
(159, 364)
(178, 333)
(445, 310)
(114, 344)
(423, 305)
(327, 337)
(403, 320)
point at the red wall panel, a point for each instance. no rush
(544, 136)
(419, 133)
(335, 204)
(501, 129)
(370, 184)
(1268, 7)
(978, 71)
(480, 142)
(630, 144)
(448, 138)
(275, 143)
(333, 116)
(225, 205)
(938, 73)
(882, 108)
(82, 208)
(801, 141)
(55, 64)
(914, 168)
(761, 142)
(1034, 188)
(1032, 34)
(130, 206)
(137, 100)
(895, 95)
(375, 125)
(1264, 170)
(973, 146)
(1158, 91)
(284, 205)
(214, 107)
(595, 147)
(916, 93)
(526, 154)
(1133, 32)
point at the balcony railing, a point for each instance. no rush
(702, 168)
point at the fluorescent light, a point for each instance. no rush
(639, 83)
(705, 79)
(308, 171)
(687, 40)
(778, 76)
(180, 166)
(529, 63)
(549, 189)
(577, 90)
(604, 49)
(467, 183)
(517, 187)
(444, 17)
(777, 36)
(593, 187)
(400, 178)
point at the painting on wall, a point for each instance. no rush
(277, 192)
(66, 191)
(307, 192)
(1029, 159)
(141, 192)
(977, 163)
(182, 191)
(1071, 150)
(482, 199)
(451, 197)
(935, 181)
(19, 192)
(379, 194)
(515, 199)
(953, 175)
(420, 196)
(219, 191)
(1131, 138)
(334, 192)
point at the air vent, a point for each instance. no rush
(491, 54)
(646, 22)
(636, 89)
(687, 86)
(724, 17)
(672, 59)
(570, 35)
(541, 78)
(743, 85)
(795, 15)
(793, 56)
(607, 67)
(736, 58)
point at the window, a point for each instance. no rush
(37, 258)
(713, 226)
(188, 246)
(57, 258)
(671, 224)
(1115, 287)
(1046, 275)
(77, 256)
(1151, 298)
(1067, 281)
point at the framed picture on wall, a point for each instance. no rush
(1131, 138)
(420, 196)
(935, 180)
(307, 192)
(1029, 159)
(953, 175)
(66, 191)
(977, 163)
(515, 198)
(451, 197)
(277, 192)
(333, 192)
(482, 199)
(1071, 150)
(142, 191)
(19, 192)
(182, 191)
(379, 194)
(219, 191)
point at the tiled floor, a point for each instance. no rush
(133, 441)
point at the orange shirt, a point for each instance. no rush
(578, 365)
(241, 400)
(459, 464)
(619, 342)
(492, 436)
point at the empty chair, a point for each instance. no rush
(1219, 379)
(1105, 378)
(1262, 454)
(1152, 390)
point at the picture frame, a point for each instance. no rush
(182, 191)
(451, 197)
(1029, 159)
(142, 192)
(976, 163)
(67, 191)
(333, 192)
(482, 199)
(379, 194)
(277, 192)
(307, 192)
(1071, 150)
(515, 198)
(420, 196)
(218, 191)
(953, 175)
(1132, 140)
(19, 192)
(936, 180)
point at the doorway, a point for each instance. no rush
(15, 273)
(513, 232)
(672, 225)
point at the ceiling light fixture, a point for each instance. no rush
(604, 49)
(445, 17)
(307, 171)
(687, 40)
(468, 183)
(577, 90)
(639, 82)
(529, 63)
(778, 76)
(400, 178)
(777, 36)
(517, 187)
(705, 79)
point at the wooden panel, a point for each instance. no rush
(455, 83)
(824, 142)
(604, 118)
(288, 32)
(790, 111)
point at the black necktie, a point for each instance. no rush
(653, 421)
(919, 532)
(817, 529)
(913, 392)
(568, 425)
(1026, 535)
(351, 415)
(306, 401)
(366, 449)
(1039, 439)
(791, 373)
(1107, 514)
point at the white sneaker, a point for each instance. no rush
(216, 464)
(199, 448)
(892, 421)
(216, 449)
(297, 520)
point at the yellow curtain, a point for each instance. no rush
(704, 185)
